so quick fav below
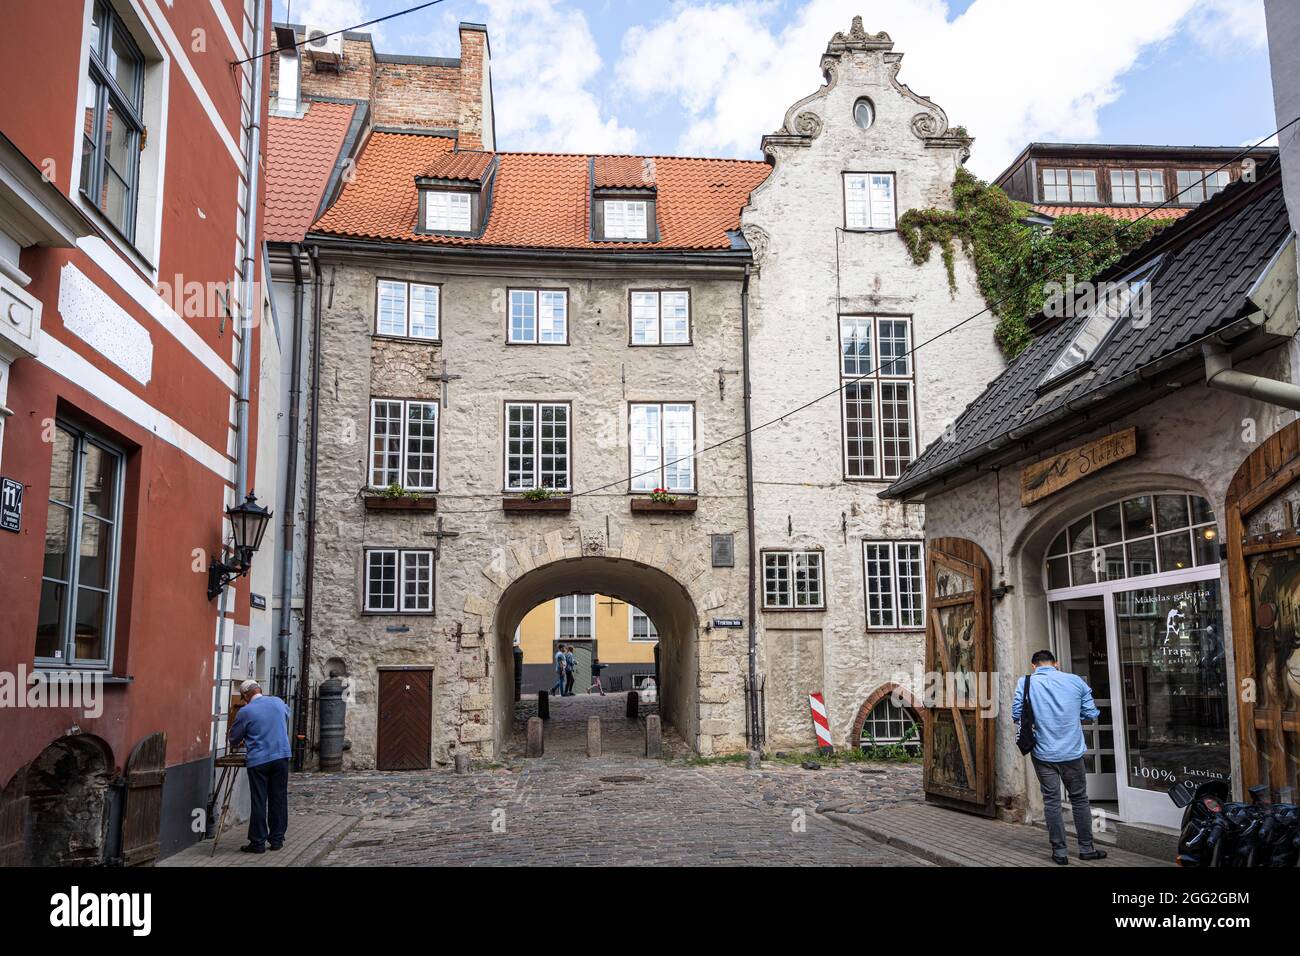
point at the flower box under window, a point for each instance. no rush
(677, 506)
(405, 503)
(514, 503)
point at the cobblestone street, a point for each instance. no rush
(620, 809)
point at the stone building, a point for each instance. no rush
(838, 304)
(530, 344)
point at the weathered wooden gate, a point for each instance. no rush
(405, 719)
(146, 769)
(958, 769)
(1263, 542)
(13, 822)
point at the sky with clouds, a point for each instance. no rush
(710, 77)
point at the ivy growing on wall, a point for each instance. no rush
(1013, 260)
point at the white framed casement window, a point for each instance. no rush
(625, 218)
(1056, 185)
(640, 629)
(877, 395)
(1123, 186)
(662, 446)
(660, 317)
(398, 581)
(894, 575)
(575, 616)
(869, 201)
(1151, 185)
(537, 436)
(538, 317)
(404, 444)
(793, 580)
(1196, 185)
(75, 622)
(407, 309)
(447, 211)
(1083, 185)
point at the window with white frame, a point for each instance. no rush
(661, 317)
(537, 445)
(869, 201)
(895, 584)
(1123, 186)
(113, 124)
(877, 377)
(447, 211)
(404, 444)
(1151, 185)
(641, 628)
(407, 309)
(1137, 185)
(662, 437)
(399, 581)
(625, 219)
(1056, 185)
(792, 579)
(539, 316)
(1083, 185)
(1196, 185)
(74, 625)
(891, 723)
(575, 617)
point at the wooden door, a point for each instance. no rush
(959, 737)
(13, 822)
(405, 719)
(146, 769)
(1263, 542)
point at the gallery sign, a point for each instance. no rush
(1049, 476)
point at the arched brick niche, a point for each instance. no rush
(918, 712)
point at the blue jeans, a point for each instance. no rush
(559, 683)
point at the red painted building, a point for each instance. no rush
(124, 198)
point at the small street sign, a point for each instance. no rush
(728, 622)
(11, 504)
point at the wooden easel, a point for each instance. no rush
(230, 765)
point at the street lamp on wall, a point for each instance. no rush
(248, 522)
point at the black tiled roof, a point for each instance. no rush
(1209, 261)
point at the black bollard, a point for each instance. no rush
(633, 705)
(544, 704)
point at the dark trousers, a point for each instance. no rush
(1075, 777)
(568, 683)
(268, 785)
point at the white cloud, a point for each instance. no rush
(330, 14)
(1009, 70)
(544, 63)
(1224, 26)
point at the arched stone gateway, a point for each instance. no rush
(52, 813)
(660, 596)
(703, 697)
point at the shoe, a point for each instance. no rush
(1060, 859)
(252, 848)
(1093, 854)
(274, 846)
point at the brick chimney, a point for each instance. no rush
(474, 117)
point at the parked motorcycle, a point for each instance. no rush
(1219, 832)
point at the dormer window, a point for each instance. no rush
(625, 219)
(446, 211)
(456, 194)
(623, 196)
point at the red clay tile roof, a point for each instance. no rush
(624, 172)
(299, 156)
(1115, 212)
(540, 200)
(463, 164)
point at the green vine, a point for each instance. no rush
(1013, 259)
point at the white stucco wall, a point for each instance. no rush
(806, 262)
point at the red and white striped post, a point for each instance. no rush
(821, 723)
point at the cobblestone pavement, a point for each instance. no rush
(620, 809)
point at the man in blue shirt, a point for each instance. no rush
(262, 724)
(1059, 703)
(559, 671)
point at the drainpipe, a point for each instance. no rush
(754, 720)
(248, 267)
(1220, 374)
(291, 479)
(304, 655)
